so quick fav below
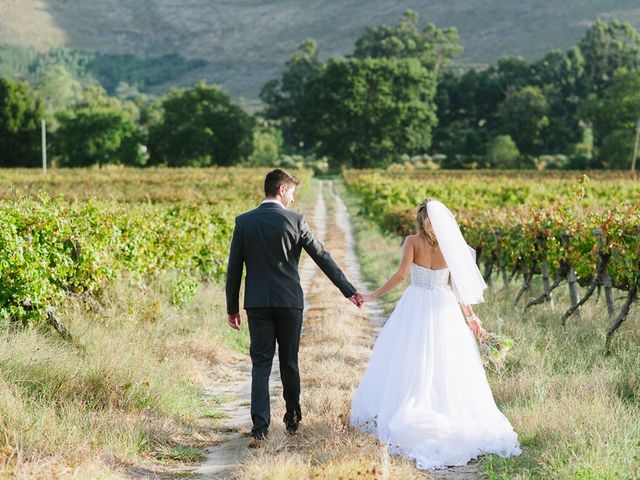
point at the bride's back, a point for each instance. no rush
(425, 256)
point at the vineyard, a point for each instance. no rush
(128, 265)
(71, 232)
(562, 228)
(225, 188)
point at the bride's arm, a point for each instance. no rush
(474, 323)
(468, 311)
(398, 277)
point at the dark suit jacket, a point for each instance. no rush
(269, 240)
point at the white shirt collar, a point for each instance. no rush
(270, 200)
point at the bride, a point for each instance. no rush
(425, 393)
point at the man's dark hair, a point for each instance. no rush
(278, 177)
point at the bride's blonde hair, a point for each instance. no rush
(423, 224)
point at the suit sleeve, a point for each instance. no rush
(324, 260)
(234, 272)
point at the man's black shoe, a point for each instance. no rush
(291, 423)
(257, 440)
(292, 428)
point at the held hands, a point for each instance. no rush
(357, 299)
(367, 297)
(360, 299)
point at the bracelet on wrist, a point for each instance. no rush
(473, 318)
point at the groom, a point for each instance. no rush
(269, 240)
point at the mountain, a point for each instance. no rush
(240, 44)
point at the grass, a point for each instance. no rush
(576, 411)
(215, 415)
(131, 393)
(181, 453)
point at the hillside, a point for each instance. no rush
(246, 42)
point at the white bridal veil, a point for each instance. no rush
(467, 281)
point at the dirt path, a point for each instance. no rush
(227, 458)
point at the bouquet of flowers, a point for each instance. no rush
(494, 349)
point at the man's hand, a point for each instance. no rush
(357, 299)
(234, 321)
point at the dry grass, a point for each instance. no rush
(577, 412)
(130, 394)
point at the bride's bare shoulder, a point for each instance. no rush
(411, 239)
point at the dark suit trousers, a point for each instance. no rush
(266, 326)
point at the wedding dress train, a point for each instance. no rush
(425, 392)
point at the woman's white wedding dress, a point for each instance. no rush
(425, 392)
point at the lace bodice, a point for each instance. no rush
(427, 278)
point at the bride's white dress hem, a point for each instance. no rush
(425, 392)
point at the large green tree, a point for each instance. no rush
(560, 77)
(467, 113)
(201, 127)
(284, 97)
(607, 47)
(433, 46)
(524, 114)
(97, 136)
(513, 73)
(614, 118)
(20, 115)
(367, 112)
(59, 89)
